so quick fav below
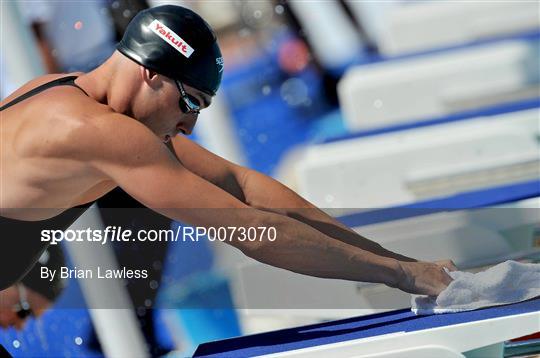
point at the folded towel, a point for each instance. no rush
(505, 283)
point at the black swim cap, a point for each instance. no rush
(175, 42)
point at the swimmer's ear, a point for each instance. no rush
(150, 77)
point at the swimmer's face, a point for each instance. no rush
(185, 122)
(163, 113)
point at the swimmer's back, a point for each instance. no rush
(42, 166)
(36, 122)
(34, 83)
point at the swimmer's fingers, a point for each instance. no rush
(423, 278)
(449, 264)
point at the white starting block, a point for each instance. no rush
(401, 27)
(406, 166)
(438, 85)
(396, 334)
(277, 298)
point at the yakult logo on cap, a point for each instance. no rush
(171, 38)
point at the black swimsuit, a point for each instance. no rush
(20, 244)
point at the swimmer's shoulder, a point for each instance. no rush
(53, 108)
(36, 82)
(107, 136)
(63, 122)
(48, 125)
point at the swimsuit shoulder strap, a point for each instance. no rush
(63, 81)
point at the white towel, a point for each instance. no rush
(505, 283)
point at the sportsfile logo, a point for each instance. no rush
(171, 38)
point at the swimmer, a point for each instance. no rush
(67, 140)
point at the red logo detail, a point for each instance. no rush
(171, 38)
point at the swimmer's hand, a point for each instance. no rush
(425, 278)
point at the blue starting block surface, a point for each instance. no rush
(486, 197)
(351, 329)
(493, 110)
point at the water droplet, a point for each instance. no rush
(257, 14)
(266, 90)
(294, 91)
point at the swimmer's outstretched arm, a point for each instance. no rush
(129, 154)
(260, 191)
(263, 192)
